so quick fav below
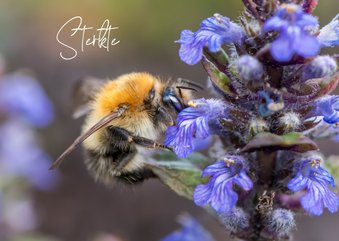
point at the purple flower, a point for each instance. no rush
(214, 32)
(191, 231)
(291, 22)
(328, 107)
(218, 192)
(22, 96)
(193, 123)
(329, 35)
(21, 156)
(311, 176)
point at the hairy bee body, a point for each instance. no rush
(116, 152)
(104, 164)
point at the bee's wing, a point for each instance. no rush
(101, 123)
(83, 93)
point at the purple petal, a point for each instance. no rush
(223, 198)
(274, 23)
(202, 194)
(298, 183)
(329, 35)
(306, 46)
(331, 201)
(190, 52)
(311, 202)
(217, 167)
(281, 49)
(307, 20)
(243, 181)
(328, 107)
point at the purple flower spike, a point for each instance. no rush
(328, 107)
(290, 21)
(218, 192)
(214, 32)
(311, 176)
(193, 123)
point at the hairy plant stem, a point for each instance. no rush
(263, 201)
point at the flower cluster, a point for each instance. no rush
(24, 105)
(23, 163)
(275, 101)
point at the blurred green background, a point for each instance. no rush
(79, 209)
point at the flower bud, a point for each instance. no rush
(280, 222)
(290, 121)
(235, 221)
(249, 68)
(321, 66)
(257, 125)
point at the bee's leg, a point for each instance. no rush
(122, 138)
(149, 143)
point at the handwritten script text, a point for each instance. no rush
(102, 38)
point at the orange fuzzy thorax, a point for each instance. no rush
(130, 89)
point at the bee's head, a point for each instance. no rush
(177, 94)
(167, 100)
(164, 101)
(149, 100)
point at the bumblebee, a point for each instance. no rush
(124, 117)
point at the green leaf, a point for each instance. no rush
(31, 237)
(182, 175)
(219, 80)
(292, 141)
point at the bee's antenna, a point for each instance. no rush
(186, 88)
(191, 83)
(101, 123)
